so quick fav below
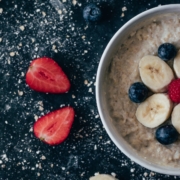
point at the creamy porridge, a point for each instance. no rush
(124, 71)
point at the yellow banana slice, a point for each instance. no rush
(154, 110)
(155, 73)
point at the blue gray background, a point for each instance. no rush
(56, 28)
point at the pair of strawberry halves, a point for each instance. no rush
(45, 75)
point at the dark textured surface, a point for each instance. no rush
(55, 28)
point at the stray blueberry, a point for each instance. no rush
(166, 134)
(167, 51)
(138, 92)
(92, 13)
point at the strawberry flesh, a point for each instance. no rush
(54, 127)
(45, 75)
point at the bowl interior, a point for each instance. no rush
(111, 48)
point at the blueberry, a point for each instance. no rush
(167, 51)
(92, 13)
(138, 92)
(166, 134)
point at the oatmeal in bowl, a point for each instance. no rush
(137, 89)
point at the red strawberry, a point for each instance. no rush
(174, 90)
(54, 127)
(45, 75)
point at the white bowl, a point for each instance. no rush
(101, 97)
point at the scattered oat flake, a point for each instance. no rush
(7, 107)
(41, 108)
(1, 10)
(22, 28)
(44, 14)
(0, 39)
(90, 90)
(85, 82)
(152, 174)
(113, 174)
(20, 93)
(40, 102)
(9, 62)
(63, 0)
(89, 84)
(36, 49)
(43, 157)
(124, 9)
(53, 47)
(74, 2)
(85, 27)
(122, 15)
(12, 54)
(39, 166)
(37, 152)
(32, 39)
(31, 129)
(145, 174)
(35, 117)
(4, 156)
(97, 173)
(59, 11)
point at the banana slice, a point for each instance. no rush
(155, 73)
(102, 177)
(175, 117)
(176, 64)
(154, 110)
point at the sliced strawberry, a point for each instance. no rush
(45, 75)
(54, 127)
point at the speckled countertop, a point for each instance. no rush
(56, 28)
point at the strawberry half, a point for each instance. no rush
(54, 127)
(45, 75)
